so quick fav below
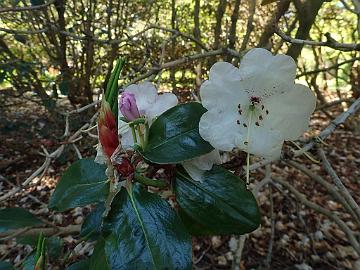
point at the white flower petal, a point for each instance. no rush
(196, 167)
(264, 75)
(145, 95)
(263, 143)
(205, 162)
(194, 172)
(162, 103)
(223, 82)
(100, 156)
(220, 129)
(289, 113)
(127, 140)
(123, 126)
(224, 71)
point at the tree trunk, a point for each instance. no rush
(219, 15)
(307, 12)
(197, 35)
(232, 35)
(282, 7)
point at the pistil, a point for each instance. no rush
(251, 111)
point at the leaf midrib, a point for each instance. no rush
(89, 184)
(142, 227)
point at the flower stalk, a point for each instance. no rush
(148, 181)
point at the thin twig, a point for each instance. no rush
(185, 60)
(331, 127)
(342, 225)
(328, 68)
(330, 42)
(337, 181)
(272, 234)
(48, 231)
(333, 191)
(28, 8)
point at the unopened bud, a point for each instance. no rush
(128, 106)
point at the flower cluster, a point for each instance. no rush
(254, 108)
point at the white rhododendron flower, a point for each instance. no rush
(255, 107)
(196, 167)
(143, 98)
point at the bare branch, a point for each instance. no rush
(29, 8)
(342, 225)
(249, 26)
(344, 191)
(331, 127)
(70, 229)
(330, 42)
(329, 188)
(184, 60)
(328, 68)
(88, 38)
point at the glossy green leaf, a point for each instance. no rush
(174, 135)
(80, 265)
(220, 204)
(142, 231)
(6, 266)
(84, 182)
(30, 240)
(91, 227)
(55, 247)
(29, 262)
(193, 227)
(98, 260)
(15, 218)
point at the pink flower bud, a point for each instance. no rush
(128, 107)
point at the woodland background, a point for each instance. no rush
(57, 55)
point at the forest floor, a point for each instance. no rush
(302, 239)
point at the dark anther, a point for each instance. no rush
(238, 122)
(260, 117)
(257, 123)
(244, 125)
(262, 107)
(240, 111)
(267, 112)
(246, 143)
(239, 106)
